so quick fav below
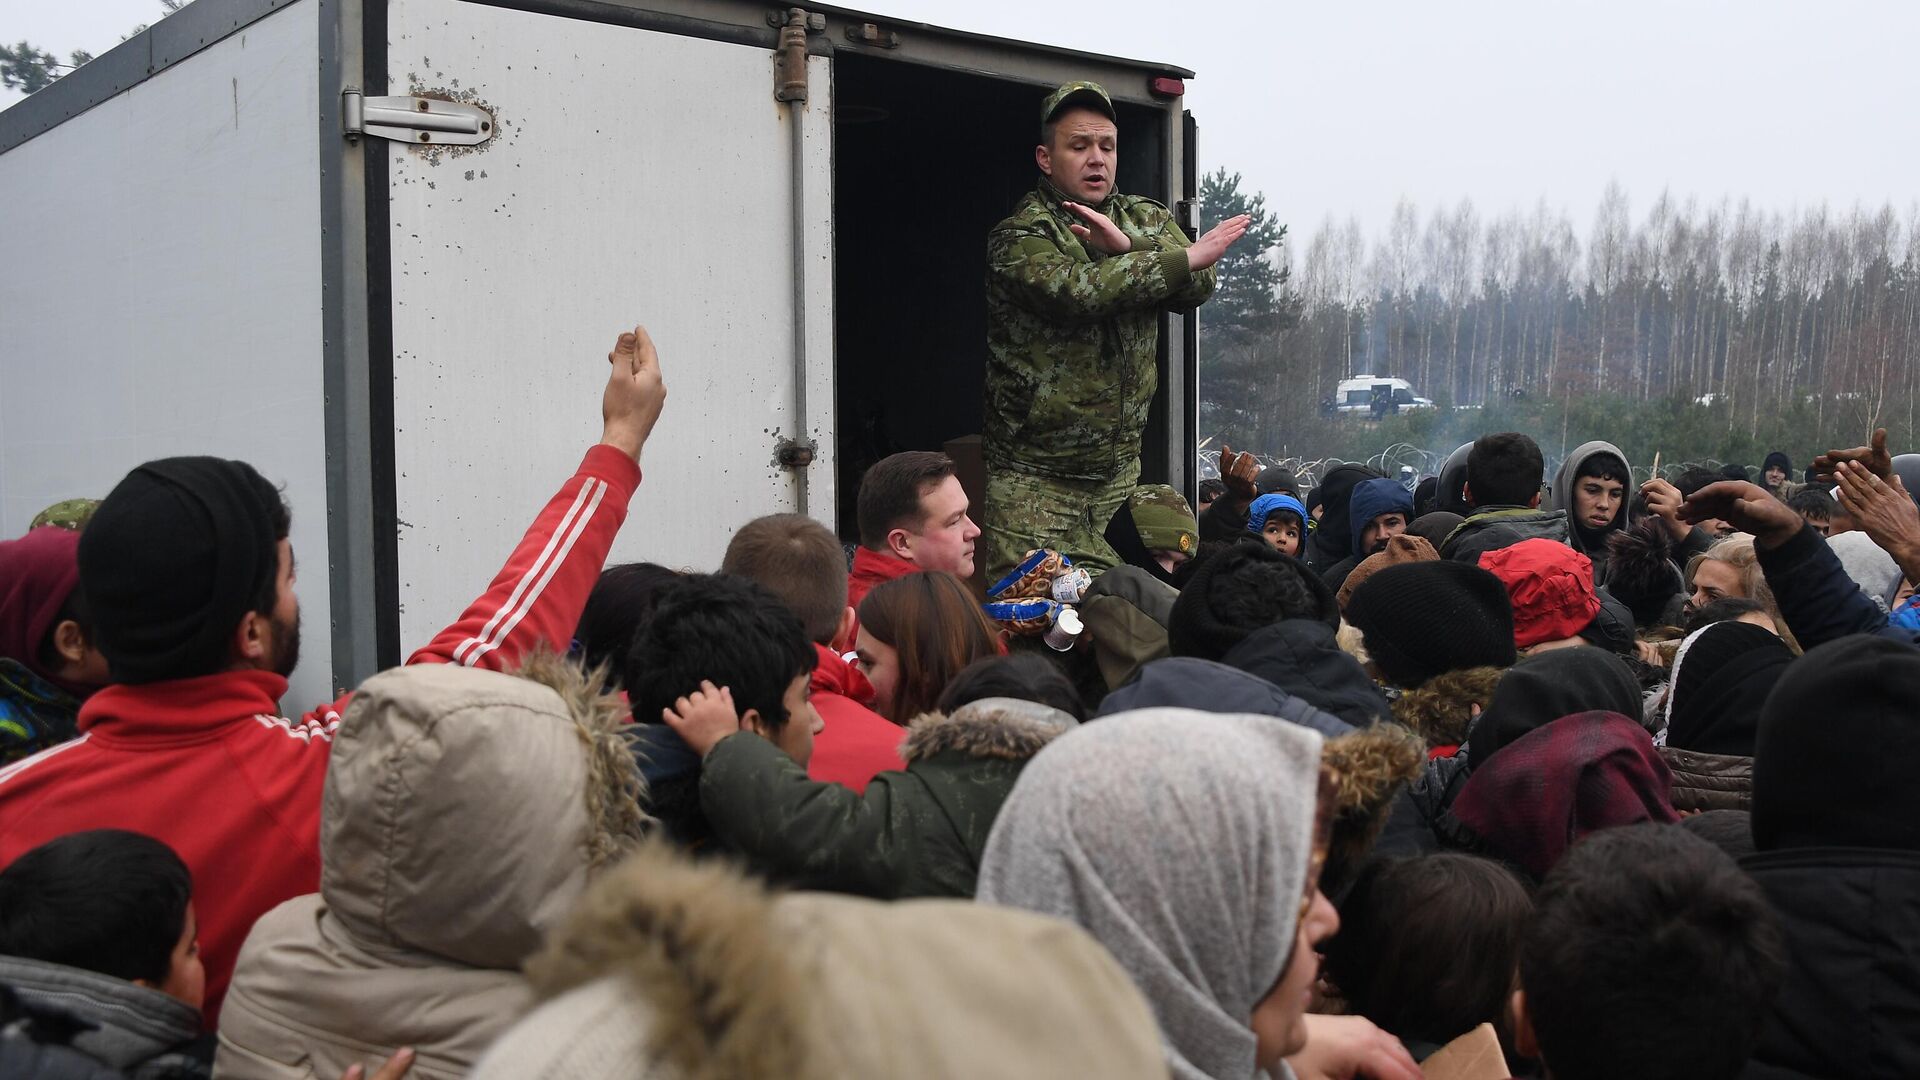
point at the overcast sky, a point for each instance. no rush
(1341, 108)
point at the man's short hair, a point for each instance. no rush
(1504, 470)
(799, 561)
(1650, 954)
(106, 900)
(1603, 466)
(1812, 503)
(891, 491)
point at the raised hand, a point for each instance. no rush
(1747, 507)
(1098, 232)
(1882, 510)
(635, 393)
(1664, 502)
(704, 717)
(1874, 456)
(1207, 250)
(1238, 472)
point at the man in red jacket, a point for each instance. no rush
(799, 561)
(913, 516)
(189, 575)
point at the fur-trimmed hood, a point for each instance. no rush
(1441, 710)
(687, 970)
(516, 787)
(1371, 767)
(1004, 728)
(465, 812)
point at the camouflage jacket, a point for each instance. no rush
(1073, 335)
(914, 833)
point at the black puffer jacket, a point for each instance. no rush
(1188, 682)
(1851, 1003)
(1303, 658)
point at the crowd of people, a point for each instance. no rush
(1490, 777)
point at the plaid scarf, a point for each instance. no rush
(1530, 802)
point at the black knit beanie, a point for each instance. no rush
(176, 554)
(1838, 750)
(1423, 619)
(1276, 478)
(1240, 590)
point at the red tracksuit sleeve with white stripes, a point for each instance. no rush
(539, 594)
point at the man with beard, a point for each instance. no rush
(189, 573)
(1077, 278)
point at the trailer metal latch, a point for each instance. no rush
(420, 120)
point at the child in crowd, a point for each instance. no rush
(731, 632)
(1280, 520)
(100, 953)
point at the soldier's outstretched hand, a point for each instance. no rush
(1099, 233)
(1207, 250)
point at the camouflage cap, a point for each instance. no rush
(1165, 521)
(70, 514)
(1088, 94)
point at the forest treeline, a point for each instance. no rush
(1756, 316)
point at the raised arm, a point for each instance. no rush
(1817, 599)
(538, 595)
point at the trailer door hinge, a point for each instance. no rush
(790, 66)
(418, 120)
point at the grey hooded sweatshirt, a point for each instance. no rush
(1592, 542)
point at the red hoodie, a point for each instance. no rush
(208, 765)
(854, 742)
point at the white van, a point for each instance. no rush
(1369, 395)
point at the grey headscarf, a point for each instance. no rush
(1869, 566)
(1180, 840)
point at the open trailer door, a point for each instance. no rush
(635, 175)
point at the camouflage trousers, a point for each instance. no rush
(1026, 511)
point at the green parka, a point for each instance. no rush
(1073, 335)
(913, 833)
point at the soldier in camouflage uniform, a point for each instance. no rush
(1076, 280)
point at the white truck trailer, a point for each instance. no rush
(379, 249)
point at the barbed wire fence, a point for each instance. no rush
(1420, 463)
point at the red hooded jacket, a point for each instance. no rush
(210, 767)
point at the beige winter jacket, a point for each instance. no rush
(464, 811)
(674, 970)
